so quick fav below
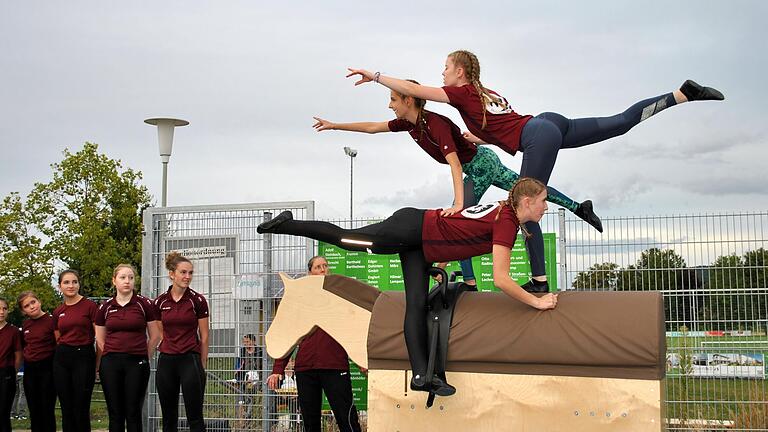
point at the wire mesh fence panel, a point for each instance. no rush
(711, 270)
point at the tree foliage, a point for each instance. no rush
(88, 218)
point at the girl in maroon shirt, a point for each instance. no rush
(184, 347)
(322, 366)
(442, 139)
(422, 237)
(39, 344)
(491, 119)
(122, 325)
(75, 361)
(10, 362)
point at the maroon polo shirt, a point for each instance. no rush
(471, 232)
(503, 125)
(438, 136)
(10, 342)
(316, 351)
(126, 326)
(179, 320)
(75, 322)
(38, 338)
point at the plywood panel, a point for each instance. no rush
(305, 306)
(516, 403)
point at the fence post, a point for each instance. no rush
(269, 303)
(561, 280)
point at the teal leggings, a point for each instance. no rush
(484, 170)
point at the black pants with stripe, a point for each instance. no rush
(397, 234)
(124, 378)
(183, 371)
(338, 389)
(41, 399)
(74, 372)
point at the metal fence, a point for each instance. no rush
(710, 268)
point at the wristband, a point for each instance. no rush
(376, 77)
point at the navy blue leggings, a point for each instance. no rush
(544, 135)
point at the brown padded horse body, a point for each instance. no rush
(589, 334)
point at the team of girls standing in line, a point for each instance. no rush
(422, 237)
(491, 119)
(10, 362)
(61, 351)
(439, 137)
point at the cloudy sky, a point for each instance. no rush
(249, 76)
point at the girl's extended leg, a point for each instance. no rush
(585, 131)
(399, 232)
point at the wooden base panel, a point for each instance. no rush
(516, 403)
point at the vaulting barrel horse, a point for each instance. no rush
(595, 363)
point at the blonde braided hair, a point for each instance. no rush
(523, 187)
(471, 66)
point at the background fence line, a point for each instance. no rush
(710, 268)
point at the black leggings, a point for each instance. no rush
(74, 370)
(7, 391)
(544, 135)
(183, 371)
(337, 386)
(41, 399)
(124, 379)
(397, 234)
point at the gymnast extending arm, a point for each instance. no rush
(501, 264)
(366, 127)
(401, 86)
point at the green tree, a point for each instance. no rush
(665, 270)
(90, 212)
(602, 276)
(25, 261)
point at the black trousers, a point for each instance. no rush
(338, 389)
(124, 379)
(74, 372)
(183, 371)
(397, 234)
(7, 392)
(41, 399)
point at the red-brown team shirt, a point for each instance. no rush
(10, 342)
(180, 321)
(438, 136)
(37, 338)
(503, 125)
(469, 233)
(316, 351)
(126, 326)
(75, 322)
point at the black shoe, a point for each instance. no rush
(534, 286)
(693, 91)
(270, 225)
(437, 386)
(584, 211)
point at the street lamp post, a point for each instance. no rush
(351, 153)
(165, 139)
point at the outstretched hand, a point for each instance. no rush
(365, 76)
(322, 125)
(547, 301)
